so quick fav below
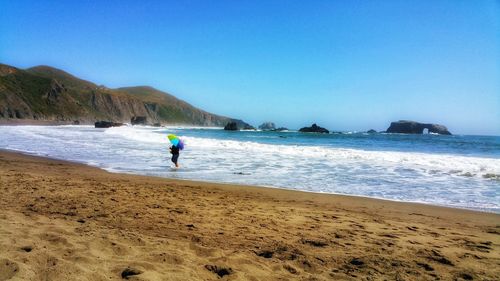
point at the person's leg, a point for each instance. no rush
(175, 157)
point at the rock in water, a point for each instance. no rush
(231, 126)
(236, 125)
(267, 126)
(371, 131)
(248, 127)
(438, 129)
(412, 127)
(314, 129)
(107, 124)
(139, 120)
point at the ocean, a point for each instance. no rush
(458, 171)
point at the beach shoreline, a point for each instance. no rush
(377, 166)
(236, 185)
(81, 223)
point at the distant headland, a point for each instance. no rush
(46, 95)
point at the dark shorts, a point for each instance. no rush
(174, 158)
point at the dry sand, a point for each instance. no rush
(65, 221)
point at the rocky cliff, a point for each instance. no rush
(49, 94)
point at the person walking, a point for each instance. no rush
(174, 149)
(177, 146)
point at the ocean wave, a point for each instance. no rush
(426, 163)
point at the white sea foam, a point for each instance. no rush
(425, 162)
(443, 179)
(193, 128)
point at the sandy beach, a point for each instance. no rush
(66, 221)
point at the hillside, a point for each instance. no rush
(48, 94)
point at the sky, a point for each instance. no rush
(346, 65)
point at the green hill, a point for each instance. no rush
(49, 94)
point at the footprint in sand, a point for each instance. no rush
(290, 269)
(129, 272)
(8, 269)
(203, 251)
(26, 248)
(219, 270)
(55, 238)
(169, 258)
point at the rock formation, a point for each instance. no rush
(248, 127)
(314, 129)
(139, 120)
(267, 126)
(107, 124)
(236, 125)
(231, 126)
(270, 126)
(412, 127)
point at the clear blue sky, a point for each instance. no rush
(347, 65)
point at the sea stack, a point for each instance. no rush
(314, 129)
(412, 127)
(106, 124)
(231, 126)
(267, 126)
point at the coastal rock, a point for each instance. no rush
(371, 131)
(270, 126)
(139, 120)
(236, 125)
(231, 126)
(248, 127)
(267, 126)
(314, 129)
(412, 127)
(107, 124)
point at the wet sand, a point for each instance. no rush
(66, 221)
